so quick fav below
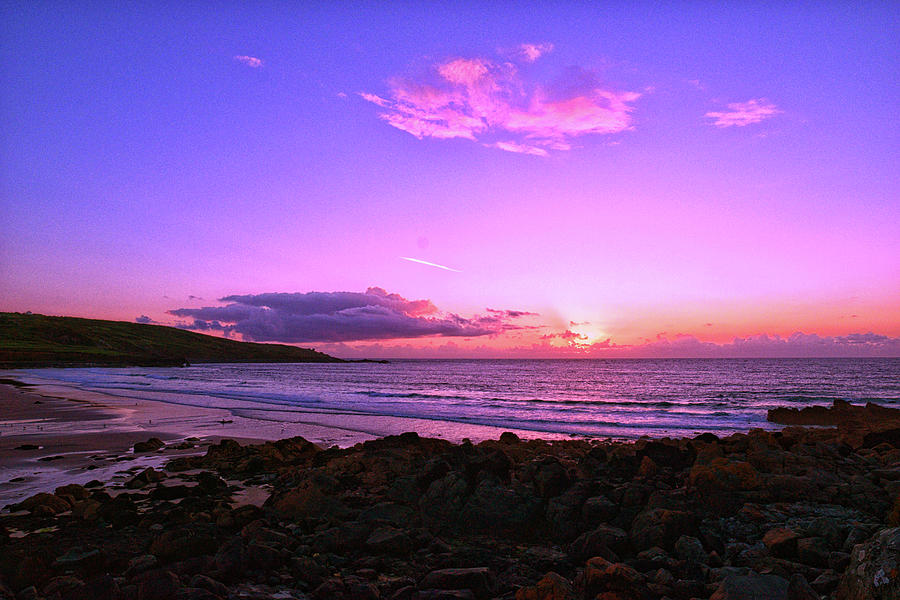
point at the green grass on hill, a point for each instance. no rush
(28, 340)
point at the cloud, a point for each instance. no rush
(144, 319)
(493, 104)
(532, 52)
(339, 317)
(741, 114)
(250, 61)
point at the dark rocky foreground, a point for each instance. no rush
(797, 514)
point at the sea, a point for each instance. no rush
(617, 399)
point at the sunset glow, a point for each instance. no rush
(538, 181)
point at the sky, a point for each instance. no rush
(459, 179)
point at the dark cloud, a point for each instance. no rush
(338, 317)
(144, 319)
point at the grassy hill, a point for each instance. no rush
(28, 340)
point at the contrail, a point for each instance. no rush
(430, 264)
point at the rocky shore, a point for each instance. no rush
(799, 514)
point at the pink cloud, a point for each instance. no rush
(520, 148)
(797, 345)
(463, 71)
(741, 114)
(487, 102)
(250, 61)
(532, 52)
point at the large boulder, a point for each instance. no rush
(44, 504)
(151, 445)
(874, 571)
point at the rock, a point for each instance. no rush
(442, 502)
(508, 437)
(64, 587)
(445, 595)
(195, 593)
(140, 564)
(264, 556)
(781, 542)
(499, 510)
(183, 543)
(210, 483)
(308, 499)
(722, 475)
(838, 561)
(389, 540)
(874, 571)
(91, 561)
(75, 491)
(548, 476)
(145, 478)
(661, 527)
(157, 584)
(210, 584)
(666, 455)
(88, 510)
(170, 492)
(826, 583)
(480, 580)
(151, 445)
(599, 542)
(551, 587)
(752, 587)
(799, 589)
(691, 549)
(51, 504)
(563, 514)
(600, 575)
(887, 436)
(598, 509)
(230, 560)
(387, 512)
(813, 551)
(103, 587)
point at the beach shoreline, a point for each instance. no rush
(52, 435)
(411, 517)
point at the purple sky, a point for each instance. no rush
(704, 179)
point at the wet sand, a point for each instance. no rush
(55, 435)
